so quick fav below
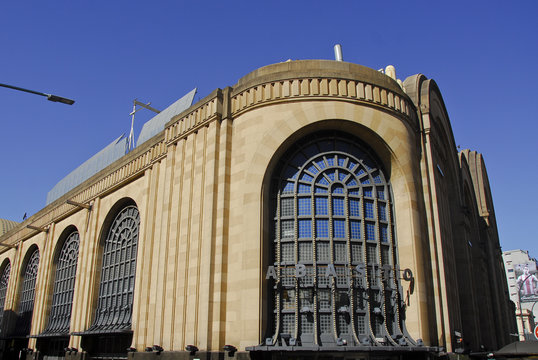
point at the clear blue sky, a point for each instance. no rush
(482, 54)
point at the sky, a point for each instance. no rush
(104, 54)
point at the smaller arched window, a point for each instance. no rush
(4, 279)
(27, 295)
(115, 301)
(64, 286)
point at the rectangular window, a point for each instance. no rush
(322, 279)
(288, 276)
(361, 324)
(305, 251)
(367, 191)
(324, 300)
(372, 254)
(322, 228)
(339, 229)
(286, 207)
(287, 254)
(355, 229)
(354, 207)
(342, 278)
(306, 298)
(305, 229)
(369, 210)
(288, 323)
(308, 279)
(304, 189)
(288, 299)
(323, 254)
(384, 233)
(287, 231)
(343, 327)
(340, 252)
(304, 206)
(370, 231)
(321, 206)
(338, 206)
(385, 255)
(382, 211)
(356, 253)
(325, 324)
(307, 324)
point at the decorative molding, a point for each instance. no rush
(322, 89)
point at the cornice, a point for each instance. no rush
(323, 88)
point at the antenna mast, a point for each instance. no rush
(130, 142)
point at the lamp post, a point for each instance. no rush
(49, 97)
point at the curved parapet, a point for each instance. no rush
(320, 79)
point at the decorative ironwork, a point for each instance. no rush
(115, 302)
(26, 305)
(4, 280)
(64, 286)
(334, 275)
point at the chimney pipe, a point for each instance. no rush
(338, 52)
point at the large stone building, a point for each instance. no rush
(313, 208)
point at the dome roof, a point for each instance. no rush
(6, 225)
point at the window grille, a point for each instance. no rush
(335, 202)
(115, 301)
(64, 286)
(4, 279)
(26, 305)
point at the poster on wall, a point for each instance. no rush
(527, 281)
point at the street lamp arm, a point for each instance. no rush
(49, 97)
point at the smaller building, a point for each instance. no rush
(522, 279)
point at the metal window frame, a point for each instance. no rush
(27, 295)
(4, 281)
(357, 166)
(64, 287)
(116, 288)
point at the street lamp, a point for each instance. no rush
(49, 97)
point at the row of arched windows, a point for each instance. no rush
(117, 276)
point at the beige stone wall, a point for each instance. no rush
(201, 188)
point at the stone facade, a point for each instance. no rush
(203, 190)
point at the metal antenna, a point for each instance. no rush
(130, 143)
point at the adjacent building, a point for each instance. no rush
(522, 278)
(315, 208)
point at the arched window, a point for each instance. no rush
(115, 301)
(4, 279)
(64, 286)
(333, 274)
(27, 295)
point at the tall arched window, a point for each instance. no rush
(4, 280)
(27, 295)
(333, 274)
(115, 301)
(64, 286)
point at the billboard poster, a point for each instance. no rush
(527, 281)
